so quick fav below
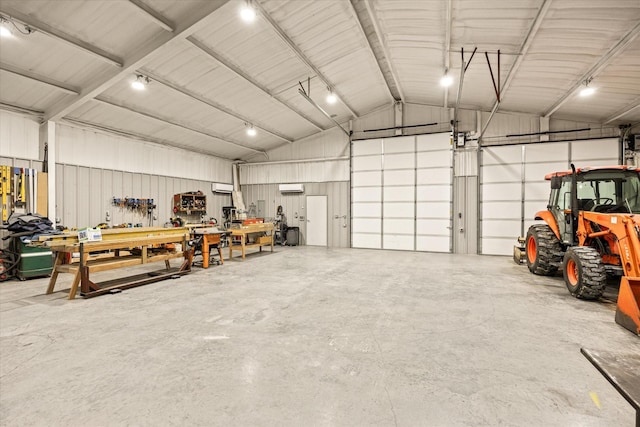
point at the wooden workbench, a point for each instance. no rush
(265, 238)
(140, 250)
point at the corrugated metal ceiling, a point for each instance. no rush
(212, 74)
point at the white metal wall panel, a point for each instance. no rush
(513, 187)
(19, 136)
(88, 148)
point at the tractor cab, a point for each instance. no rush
(603, 190)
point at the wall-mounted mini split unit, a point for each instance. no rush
(291, 188)
(218, 187)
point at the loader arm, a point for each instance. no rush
(626, 229)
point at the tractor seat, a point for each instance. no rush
(586, 204)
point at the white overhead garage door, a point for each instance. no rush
(401, 193)
(513, 187)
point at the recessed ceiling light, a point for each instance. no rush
(247, 13)
(446, 80)
(4, 29)
(140, 83)
(587, 91)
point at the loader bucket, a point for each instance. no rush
(628, 311)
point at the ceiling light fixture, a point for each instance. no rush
(251, 131)
(248, 13)
(587, 90)
(140, 83)
(331, 97)
(5, 31)
(446, 80)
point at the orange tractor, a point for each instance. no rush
(592, 231)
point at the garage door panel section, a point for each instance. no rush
(502, 173)
(399, 194)
(367, 225)
(590, 152)
(366, 179)
(399, 161)
(433, 192)
(366, 241)
(366, 163)
(434, 210)
(399, 242)
(399, 226)
(502, 191)
(434, 227)
(366, 147)
(367, 194)
(433, 243)
(434, 176)
(535, 172)
(403, 144)
(508, 227)
(541, 153)
(433, 159)
(502, 155)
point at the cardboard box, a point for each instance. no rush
(89, 235)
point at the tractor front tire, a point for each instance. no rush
(543, 250)
(584, 272)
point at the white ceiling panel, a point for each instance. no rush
(222, 72)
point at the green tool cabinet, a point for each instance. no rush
(34, 262)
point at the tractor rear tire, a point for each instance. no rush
(584, 272)
(543, 251)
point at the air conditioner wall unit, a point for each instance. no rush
(219, 187)
(291, 188)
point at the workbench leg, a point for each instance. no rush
(167, 264)
(74, 285)
(54, 272)
(220, 254)
(242, 240)
(205, 252)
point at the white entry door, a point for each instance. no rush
(317, 220)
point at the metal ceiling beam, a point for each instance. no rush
(301, 56)
(618, 48)
(238, 72)
(210, 103)
(626, 110)
(447, 47)
(143, 54)
(176, 123)
(40, 79)
(21, 110)
(327, 115)
(524, 48)
(134, 135)
(393, 86)
(152, 15)
(60, 35)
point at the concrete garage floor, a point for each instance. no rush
(312, 336)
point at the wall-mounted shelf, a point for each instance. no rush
(190, 203)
